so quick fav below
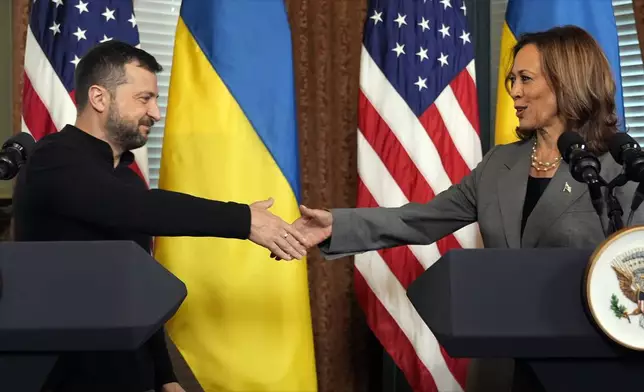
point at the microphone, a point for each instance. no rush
(627, 152)
(14, 154)
(584, 166)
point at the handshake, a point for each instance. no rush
(288, 241)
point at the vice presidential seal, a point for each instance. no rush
(615, 287)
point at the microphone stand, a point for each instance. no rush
(638, 197)
(615, 211)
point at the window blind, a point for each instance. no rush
(632, 70)
(157, 22)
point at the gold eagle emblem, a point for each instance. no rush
(629, 268)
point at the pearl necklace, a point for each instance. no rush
(543, 166)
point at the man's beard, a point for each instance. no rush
(125, 133)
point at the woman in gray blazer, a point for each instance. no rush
(522, 194)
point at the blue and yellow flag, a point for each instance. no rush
(526, 16)
(231, 135)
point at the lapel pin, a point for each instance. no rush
(567, 188)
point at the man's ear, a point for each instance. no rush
(98, 98)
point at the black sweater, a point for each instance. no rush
(70, 191)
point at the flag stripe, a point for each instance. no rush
(400, 260)
(47, 85)
(37, 118)
(464, 90)
(465, 138)
(374, 174)
(402, 263)
(471, 69)
(393, 298)
(449, 156)
(457, 366)
(23, 126)
(386, 193)
(403, 352)
(393, 155)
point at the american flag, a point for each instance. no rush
(418, 133)
(60, 32)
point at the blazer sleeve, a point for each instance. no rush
(357, 230)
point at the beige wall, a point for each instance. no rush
(5, 83)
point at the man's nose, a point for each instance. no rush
(154, 112)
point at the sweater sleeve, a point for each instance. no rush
(56, 181)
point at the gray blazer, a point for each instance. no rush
(492, 195)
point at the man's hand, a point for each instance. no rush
(274, 234)
(314, 225)
(172, 387)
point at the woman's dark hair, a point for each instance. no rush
(580, 75)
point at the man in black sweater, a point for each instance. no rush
(78, 185)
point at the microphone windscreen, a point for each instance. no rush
(23, 139)
(567, 140)
(615, 146)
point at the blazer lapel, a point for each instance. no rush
(560, 193)
(512, 186)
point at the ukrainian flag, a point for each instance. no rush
(231, 135)
(525, 16)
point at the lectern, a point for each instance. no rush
(60, 297)
(526, 304)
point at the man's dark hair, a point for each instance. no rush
(104, 65)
